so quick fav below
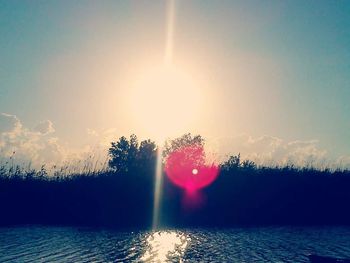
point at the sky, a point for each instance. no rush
(269, 79)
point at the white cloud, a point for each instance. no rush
(92, 132)
(104, 137)
(44, 127)
(9, 124)
(39, 146)
(36, 146)
(269, 150)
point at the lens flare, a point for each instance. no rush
(187, 168)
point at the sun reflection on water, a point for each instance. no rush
(165, 246)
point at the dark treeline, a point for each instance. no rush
(122, 196)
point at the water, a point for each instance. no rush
(274, 244)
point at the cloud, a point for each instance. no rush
(102, 138)
(39, 146)
(9, 124)
(44, 127)
(36, 146)
(92, 132)
(269, 150)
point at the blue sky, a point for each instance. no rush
(273, 68)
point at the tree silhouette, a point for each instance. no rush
(129, 156)
(248, 165)
(233, 163)
(147, 154)
(186, 140)
(243, 193)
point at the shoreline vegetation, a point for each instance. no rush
(244, 194)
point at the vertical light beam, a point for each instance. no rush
(169, 41)
(157, 189)
(168, 58)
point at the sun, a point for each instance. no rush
(164, 101)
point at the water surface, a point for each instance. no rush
(272, 244)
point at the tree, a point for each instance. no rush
(130, 156)
(119, 155)
(146, 157)
(186, 140)
(233, 163)
(248, 165)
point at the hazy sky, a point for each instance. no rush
(270, 72)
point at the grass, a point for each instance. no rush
(243, 194)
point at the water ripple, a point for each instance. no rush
(275, 244)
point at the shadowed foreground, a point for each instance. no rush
(239, 196)
(123, 196)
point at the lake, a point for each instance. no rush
(267, 244)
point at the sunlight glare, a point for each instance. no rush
(165, 101)
(165, 245)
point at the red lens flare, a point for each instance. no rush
(187, 168)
